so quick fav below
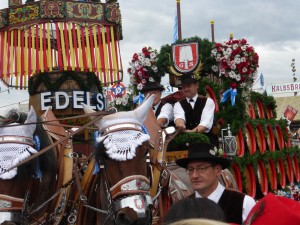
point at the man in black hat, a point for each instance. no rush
(163, 111)
(204, 166)
(194, 113)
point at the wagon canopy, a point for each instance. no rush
(60, 35)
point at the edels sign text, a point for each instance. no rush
(61, 100)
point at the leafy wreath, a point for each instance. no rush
(84, 83)
(184, 140)
(205, 46)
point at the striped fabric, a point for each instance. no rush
(61, 45)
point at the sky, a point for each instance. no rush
(270, 26)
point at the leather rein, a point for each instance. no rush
(97, 115)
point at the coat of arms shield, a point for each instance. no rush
(185, 56)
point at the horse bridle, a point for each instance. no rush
(138, 188)
(132, 191)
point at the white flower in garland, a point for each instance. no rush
(143, 66)
(122, 103)
(236, 59)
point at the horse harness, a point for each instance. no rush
(169, 184)
(132, 191)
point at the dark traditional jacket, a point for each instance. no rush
(193, 116)
(232, 204)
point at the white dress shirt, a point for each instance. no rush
(165, 112)
(216, 195)
(207, 117)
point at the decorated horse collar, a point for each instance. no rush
(16, 140)
(121, 126)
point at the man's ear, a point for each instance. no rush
(218, 168)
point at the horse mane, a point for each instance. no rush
(99, 150)
(48, 166)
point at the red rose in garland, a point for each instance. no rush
(237, 60)
(143, 68)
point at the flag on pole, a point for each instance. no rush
(262, 81)
(175, 34)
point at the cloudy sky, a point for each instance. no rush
(270, 26)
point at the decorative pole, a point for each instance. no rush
(212, 23)
(294, 74)
(179, 20)
(230, 36)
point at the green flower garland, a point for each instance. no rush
(253, 160)
(84, 84)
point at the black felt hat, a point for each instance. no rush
(152, 86)
(188, 79)
(203, 152)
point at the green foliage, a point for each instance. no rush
(203, 82)
(165, 58)
(84, 83)
(253, 160)
(205, 46)
(183, 140)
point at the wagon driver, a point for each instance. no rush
(194, 113)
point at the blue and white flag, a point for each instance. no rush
(175, 34)
(262, 81)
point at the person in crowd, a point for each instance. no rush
(275, 210)
(204, 166)
(198, 222)
(194, 113)
(162, 110)
(188, 208)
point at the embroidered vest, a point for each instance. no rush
(193, 116)
(232, 204)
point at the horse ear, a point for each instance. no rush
(142, 111)
(31, 118)
(88, 110)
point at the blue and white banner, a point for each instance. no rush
(175, 34)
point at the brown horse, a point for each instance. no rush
(29, 193)
(120, 192)
(128, 189)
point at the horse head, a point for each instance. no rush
(122, 151)
(20, 138)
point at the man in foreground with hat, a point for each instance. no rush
(194, 113)
(163, 111)
(204, 167)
